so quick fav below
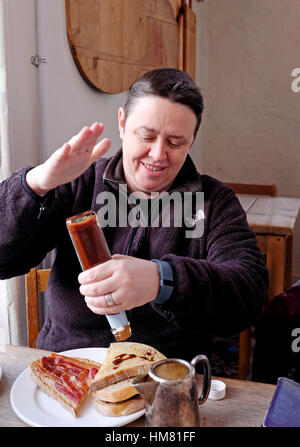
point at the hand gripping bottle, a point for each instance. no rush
(91, 248)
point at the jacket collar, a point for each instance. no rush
(187, 179)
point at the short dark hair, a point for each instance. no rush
(171, 83)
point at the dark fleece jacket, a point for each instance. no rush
(220, 277)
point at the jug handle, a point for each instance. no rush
(206, 376)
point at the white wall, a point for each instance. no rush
(246, 51)
(68, 102)
(21, 81)
(50, 103)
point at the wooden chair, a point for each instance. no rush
(35, 282)
(245, 336)
(259, 190)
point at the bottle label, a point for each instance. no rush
(117, 320)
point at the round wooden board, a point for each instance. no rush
(115, 41)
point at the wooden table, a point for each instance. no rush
(273, 220)
(245, 403)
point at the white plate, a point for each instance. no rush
(37, 409)
(0, 372)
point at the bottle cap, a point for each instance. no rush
(217, 390)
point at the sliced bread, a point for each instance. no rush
(65, 379)
(123, 361)
(117, 392)
(124, 408)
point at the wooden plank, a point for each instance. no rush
(288, 262)
(255, 189)
(271, 224)
(42, 279)
(276, 206)
(114, 42)
(31, 307)
(176, 5)
(274, 215)
(244, 353)
(189, 41)
(274, 248)
(244, 405)
(35, 282)
(246, 201)
(13, 359)
(180, 22)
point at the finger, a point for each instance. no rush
(101, 302)
(61, 154)
(81, 137)
(103, 310)
(95, 274)
(96, 289)
(97, 128)
(99, 305)
(86, 138)
(85, 141)
(100, 149)
(64, 153)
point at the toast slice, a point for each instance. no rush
(123, 408)
(116, 392)
(119, 399)
(65, 379)
(123, 361)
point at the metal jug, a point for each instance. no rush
(170, 392)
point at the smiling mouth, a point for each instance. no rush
(152, 168)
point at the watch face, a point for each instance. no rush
(168, 282)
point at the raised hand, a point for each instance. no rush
(70, 161)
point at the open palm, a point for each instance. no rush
(70, 161)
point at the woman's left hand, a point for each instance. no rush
(131, 281)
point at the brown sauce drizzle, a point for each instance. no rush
(122, 357)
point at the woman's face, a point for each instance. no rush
(156, 138)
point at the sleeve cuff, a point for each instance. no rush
(43, 201)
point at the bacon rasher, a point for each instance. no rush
(66, 379)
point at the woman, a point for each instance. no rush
(216, 281)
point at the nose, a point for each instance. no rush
(158, 150)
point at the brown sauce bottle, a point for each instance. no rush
(91, 248)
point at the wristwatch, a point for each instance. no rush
(166, 280)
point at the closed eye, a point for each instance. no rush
(144, 135)
(175, 144)
(146, 138)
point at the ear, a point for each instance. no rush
(121, 118)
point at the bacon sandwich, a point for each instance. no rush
(65, 379)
